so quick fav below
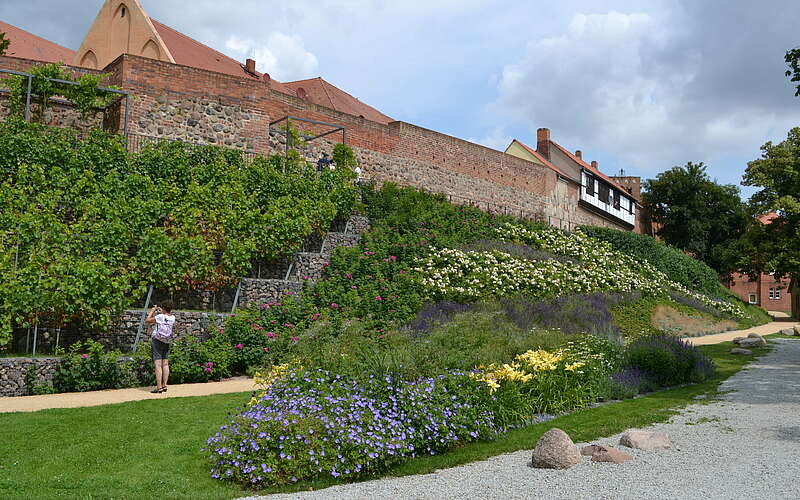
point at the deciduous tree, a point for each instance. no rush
(696, 214)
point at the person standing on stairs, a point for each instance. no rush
(162, 338)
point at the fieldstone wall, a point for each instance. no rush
(334, 240)
(200, 121)
(186, 322)
(358, 224)
(310, 266)
(12, 373)
(261, 291)
(58, 114)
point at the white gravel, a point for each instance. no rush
(746, 445)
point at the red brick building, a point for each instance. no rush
(766, 290)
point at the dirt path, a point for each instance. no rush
(245, 384)
(773, 327)
(97, 398)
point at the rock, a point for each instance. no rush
(752, 342)
(787, 331)
(611, 455)
(797, 329)
(736, 340)
(555, 450)
(645, 440)
(753, 335)
(739, 350)
(591, 449)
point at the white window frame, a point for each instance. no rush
(753, 298)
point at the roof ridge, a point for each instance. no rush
(535, 153)
(587, 166)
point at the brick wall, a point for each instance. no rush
(742, 286)
(174, 101)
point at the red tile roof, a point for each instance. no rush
(767, 218)
(189, 52)
(541, 158)
(590, 168)
(323, 93)
(29, 46)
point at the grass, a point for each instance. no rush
(148, 449)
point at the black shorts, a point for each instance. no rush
(160, 349)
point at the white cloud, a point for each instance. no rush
(644, 88)
(283, 56)
(498, 139)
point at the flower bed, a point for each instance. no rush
(310, 423)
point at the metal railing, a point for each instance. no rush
(28, 94)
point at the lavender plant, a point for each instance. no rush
(670, 360)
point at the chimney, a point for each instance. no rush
(543, 142)
(578, 154)
(594, 164)
(250, 65)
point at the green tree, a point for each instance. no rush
(696, 214)
(777, 173)
(793, 60)
(4, 43)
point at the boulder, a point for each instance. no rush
(555, 450)
(645, 440)
(754, 335)
(736, 340)
(797, 329)
(739, 350)
(611, 456)
(591, 449)
(752, 342)
(787, 331)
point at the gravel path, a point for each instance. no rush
(747, 445)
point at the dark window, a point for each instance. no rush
(603, 192)
(590, 185)
(122, 12)
(616, 200)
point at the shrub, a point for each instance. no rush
(193, 360)
(670, 360)
(313, 423)
(88, 367)
(630, 381)
(678, 266)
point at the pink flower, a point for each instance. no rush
(239, 346)
(393, 257)
(315, 316)
(270, 334)
(354, 287)
(334, 305)
(295, 339)
(207, 369)
(84, 356)
(288, 325)
(305, 277)
(221, 330)
(349, 276)
(266, 349)
(209, 365)
(378, 298)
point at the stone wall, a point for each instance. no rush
(198, 120)
(262, 291)
(186, 322)
(12, 374)
(58, 114)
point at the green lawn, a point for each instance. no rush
(151, 449)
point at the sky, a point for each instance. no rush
(640, 86)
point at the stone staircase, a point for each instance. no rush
(302, 271)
